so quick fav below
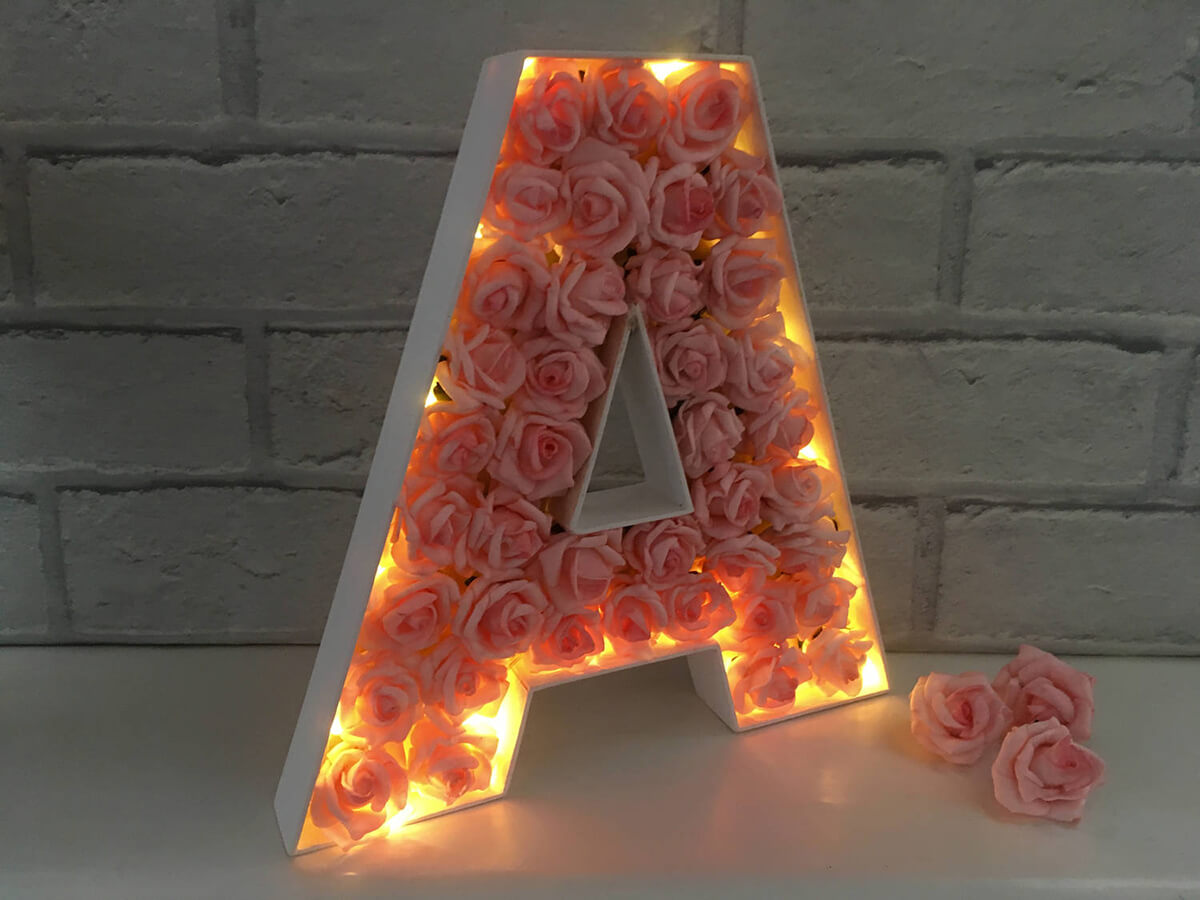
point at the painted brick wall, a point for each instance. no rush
(216, 215)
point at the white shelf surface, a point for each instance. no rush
(148, 773)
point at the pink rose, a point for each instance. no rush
(506, 286)
(668, 283)
(707, 431)
(380, 700)
(576, 569)
(455, 439)
(447, 766)
(691, 357)
(681, 207)
(506, 533)
(836, 657)
(787, 425)
(957, 717)
(547, 117)
(633, 614)
(798, 488)
(499, 619)
(1038, 685)
(743, 280)
(408, 616)
(708, 106)
(663, 551)
(697, 608)
(437, 514)
(609, 194)
(482, 365)
(1040, 771)
(584, 297)
(538, 455)
(527, 201)
(568, 639)
(742, 563)
(761, 362)
(728, 498)
(560, 379)
(627, 103)
(457, 685)
(826, 603)
(745, 194)
(811, 546)
(766, 616)
(353, 791)
(767, 678)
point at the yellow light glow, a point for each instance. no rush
(335, 728)
(809, 452)
(479, 231)
(431, 398)
(873, 679)
(527, 65)
(664, 67)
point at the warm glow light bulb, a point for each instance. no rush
(664, 67)
(431, 398)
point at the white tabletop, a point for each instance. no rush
(149, 772)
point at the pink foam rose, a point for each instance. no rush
(764, 616)
(609, 194)
(1040, 771)
(455, 438)
(482, 365)
(744, 275)
(708, 106)
(633, 614)
(668, 283)
(547, 119)
(761, 362)
(766, 677)
(825, 603)
(681, 207)
(506, 533)
(798, 487)
(505, 286)
(354, 788)
(538, 455)
(627, 104)
(380, 700)
(814, 545)
(499, 619)
(957, 717)
(786, 426)
(527, 201)
(436, 516)
(575, 569)
(691, 356)
(1038, 685)
(741, 563)
(584, 297)
(663, 551)
(449, 765)
(727, 499)
(457, 685)
(707, 431)
(560, 379)
(836, 657)
(408, 615)
(745, 194)
(568, 639)
(697, 608)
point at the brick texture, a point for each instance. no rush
(1005, 411)
(1190, 469)
(307, 231)
(6, 280)
(23, 590)
(973, 71)
(204, 563)
(1116, 237)
(866, 235)
(1075, 576)
(368, 60)
(122, 400)
(134, 60)
(888, 538)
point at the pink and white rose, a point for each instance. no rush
(585, 296)
(500, 618)
(568, 639)
(728, 499)
(814, 545)
(455, 438)
(681, 207)
(457, 685)
(380, 700)
(707, 431)
(745, 194)
(957, 717)
(633, 614)
(527, 201)
(437, 515)
(609, 199)
(697, 608)
(450, 764)
(765, 616)
(761, 363)
(708, 106)
(482, 365)
(627, 104)
(663, 551)
(744, 275)
(785, 426)
(505, 286)
(576, 569)
(1041, 771)
(668, 283)
(836, 657)
(560, 379)
(538, 455)
(766, 677)
(548, 117)
(824, 604)
(1038, 685)
(692, 357)
(407, 616)
(741, 563)
(798, 488)
(506, 533)
(354, 789)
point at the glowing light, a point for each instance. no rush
(431, 398)
(809, 452)
(335, 728)
(527, 65)
(873, 679)
(479, 231)
(664, 67)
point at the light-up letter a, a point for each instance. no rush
(613, 228)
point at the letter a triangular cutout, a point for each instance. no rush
(613, 224)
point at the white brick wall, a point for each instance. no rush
(214, 216)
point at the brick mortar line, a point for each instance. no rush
(197, 320)
(58, 611)
(955, 225)
(237, 56)
(731, 26)
(1171, 416)
(258, 392)
(14, 194)
(927, 564)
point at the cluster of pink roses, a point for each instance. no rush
(1041, 706)
(613, 189)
